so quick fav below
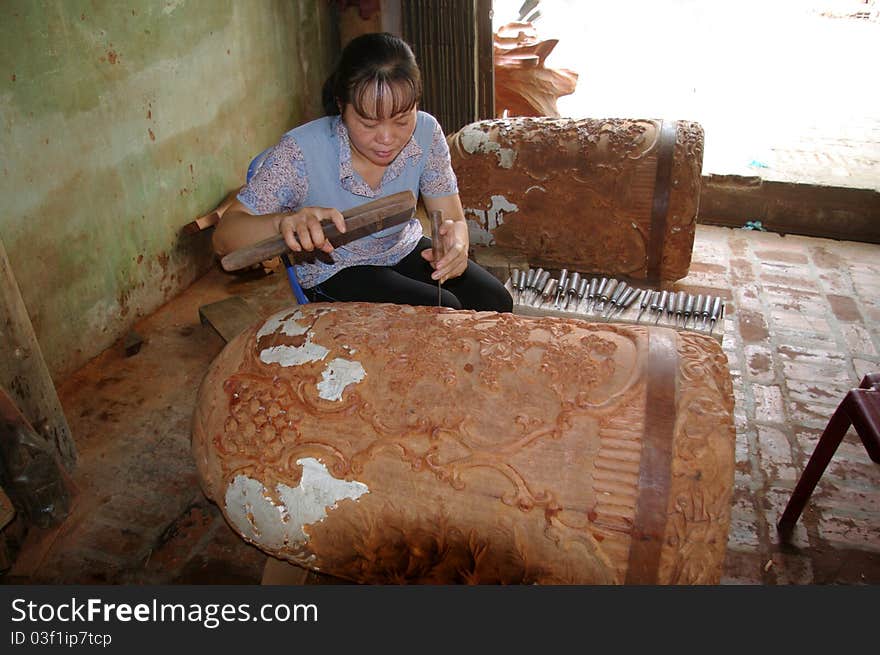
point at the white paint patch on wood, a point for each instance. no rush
(480, 230)
(256, 516)
(337, 375)
(287, 321)
(500, 206)
(476, 140)
(294, 355)
(252, 513)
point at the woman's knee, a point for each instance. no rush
(486, 295)
(499, 299)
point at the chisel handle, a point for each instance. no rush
(436, 218)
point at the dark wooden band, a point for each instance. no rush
(660, 204)
(655, 465)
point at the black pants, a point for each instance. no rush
(409, 283)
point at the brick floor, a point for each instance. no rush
(140, 516)
(800, 336)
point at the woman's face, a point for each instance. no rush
(379, 139)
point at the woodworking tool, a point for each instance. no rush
(615, 299)
(625, 300)
(605, 294)
(540, 283)
(670, 306)
(573, 288)
(707, 306)
(561, 287)
(581, 292)
(644, 302)
(591, 292)
(678, 307)
(688, 309)
(549, 289)
(660, 306)
(530, 280)
(717, 310)
(634, 296)
(698, 304)
(360, 221)
(531, 277)
(518, 278)
(436, 217)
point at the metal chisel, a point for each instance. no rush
(615, 299)
(644, 302)
(514, 282)
(573, 286)
(561, 287)
(436, 217)
(661, 306)
(630, 296)
(581, 292)
(540, 282)
(592, 290)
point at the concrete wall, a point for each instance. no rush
(123, 121)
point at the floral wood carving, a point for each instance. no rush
(579, 194)
(448, 446)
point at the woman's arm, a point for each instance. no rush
(301, 229)
(281, 173)
(454, 232)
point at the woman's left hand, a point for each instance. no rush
(454, 235)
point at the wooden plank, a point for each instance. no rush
(788, 208)
(23, 371)
(228, 317)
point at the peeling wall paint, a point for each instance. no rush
(120, 124)
(250, 508)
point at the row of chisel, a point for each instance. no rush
(609, 298)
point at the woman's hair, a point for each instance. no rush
(371, 67)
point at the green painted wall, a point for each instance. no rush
(123, 121)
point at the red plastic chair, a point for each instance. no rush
(859, 408)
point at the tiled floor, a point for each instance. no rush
(803, 326)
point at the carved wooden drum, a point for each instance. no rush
(392, 444)
(612, 196)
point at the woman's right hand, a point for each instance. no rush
(302, 229)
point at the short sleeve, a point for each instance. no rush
(280, 183)
(438, 178)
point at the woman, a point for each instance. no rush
(373, 142)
